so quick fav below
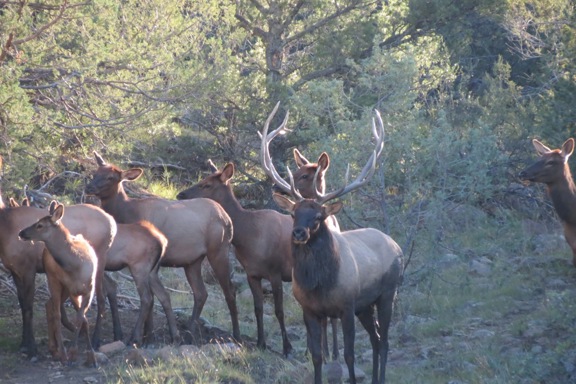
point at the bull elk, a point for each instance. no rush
(71, 264)
(195, 229)
(24, 260)
(553, 170)
(339, 274)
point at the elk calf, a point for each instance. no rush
(553, 170)
(70, 263)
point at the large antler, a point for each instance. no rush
(367, 171)
(289, 188)
(266, 159)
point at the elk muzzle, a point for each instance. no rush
(300, 235)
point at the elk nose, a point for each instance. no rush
(299, 234)
(180, 196)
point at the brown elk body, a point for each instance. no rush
(71, 265)
(340, 274)
(24, 260)
(195, 229)
(141, 248)
(553, 170)
(261, 241)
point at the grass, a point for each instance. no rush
(510, 323)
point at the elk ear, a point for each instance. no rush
(132, 174)
(99, 160)
(13, 203)
(58, 213)
(283, 202)
(324, 161)
(52, 207)
(300, 159)
(332, 209)
(567, 148)
(227, 172)
(540, 148)
(25, 202)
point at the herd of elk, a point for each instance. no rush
(195, 229)
(24, 260)
(553, 170)
(339, 274)
(71, 264)
(140, 248)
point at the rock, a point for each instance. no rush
(480, 268)
(112, 348)
(90, 379)
(138, 357)
(101, 358)
(167, 353)
(333, 372)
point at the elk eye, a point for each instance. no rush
(304, 177)
(205, 186)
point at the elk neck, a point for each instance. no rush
(563, 195)
(118, 205)
(60, 243)
(317, 262)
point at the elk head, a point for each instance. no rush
(107, 178)
(42, 228)
(552, 164)
(213, 186)
(310, 213)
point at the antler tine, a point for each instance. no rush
(367, 171)
(265, 158)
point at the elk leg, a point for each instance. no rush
(335, 352)
(278, 293)
(385, 308)
(25, 287)
(367, 320)
(164, 298)
(64, 316)
(73, 351)
(349, 332)
(91, 356)
(194, 276)
(50, 320)
(145, 294)
(220, 264)
(314, 339)
(111, 289)
(255, 284)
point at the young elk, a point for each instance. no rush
(195, 229)
(71, 264)
(553, 170)
(24, 260)
(340, 274)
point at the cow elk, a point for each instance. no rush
(261, 241)
(553, 170)
(141, 248)
(340, 274)
(71, 265)
(195, 229)
(24, 260)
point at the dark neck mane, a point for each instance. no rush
(563, 195)
(316, 263)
